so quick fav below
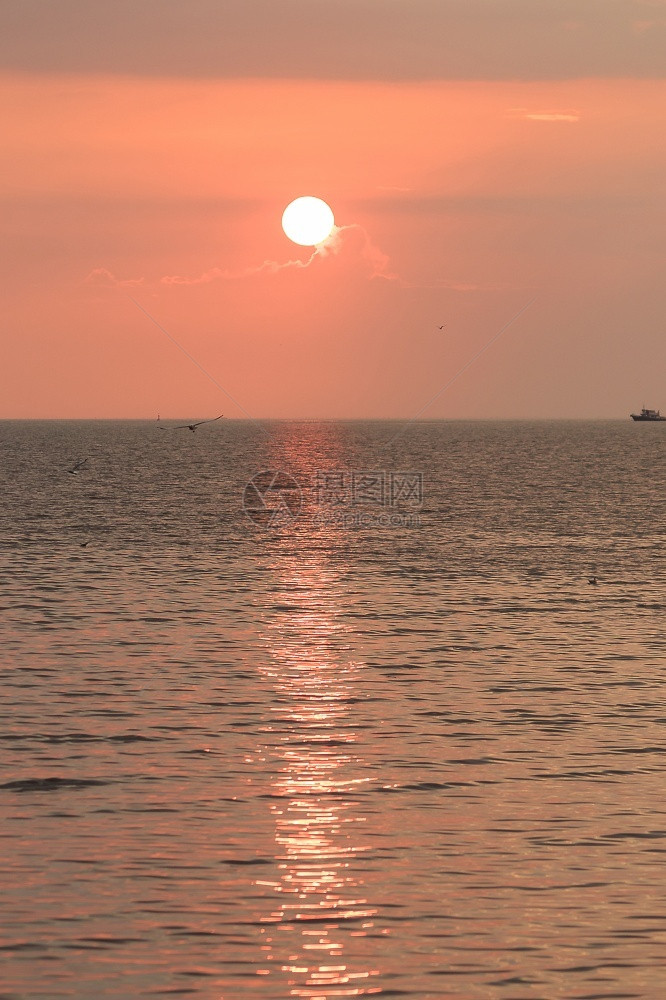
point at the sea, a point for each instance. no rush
(330, 709)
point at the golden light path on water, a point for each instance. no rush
(320, 898)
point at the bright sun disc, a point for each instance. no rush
(307, 221)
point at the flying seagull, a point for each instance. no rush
(191, 427)
(77, 465)
(442, 326)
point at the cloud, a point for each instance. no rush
(102, 277)
(349, 251)
(569, 115)
(227, 274)
(552, 116)
(354, 243)
(350, 243)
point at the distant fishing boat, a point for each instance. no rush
(647, 415)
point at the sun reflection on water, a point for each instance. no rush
(316, 805)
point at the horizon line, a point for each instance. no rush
(322, 419)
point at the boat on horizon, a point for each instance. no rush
(646, 414)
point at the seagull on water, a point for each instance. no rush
(191, 427)
(77, 465)
(593, 580)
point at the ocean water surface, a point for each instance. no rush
(359, 728)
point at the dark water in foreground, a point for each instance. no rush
(422, 758)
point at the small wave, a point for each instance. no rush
(49, 784)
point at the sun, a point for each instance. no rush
(308, 221)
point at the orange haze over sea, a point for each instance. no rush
(457, 203)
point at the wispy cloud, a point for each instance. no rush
(230, 274)
(352, 242)
(566, 115)
(553, 116)
(348, 247)
(101, 276)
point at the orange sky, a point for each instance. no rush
(459, 201)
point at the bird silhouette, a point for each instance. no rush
(77, 465)
(190, 427)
